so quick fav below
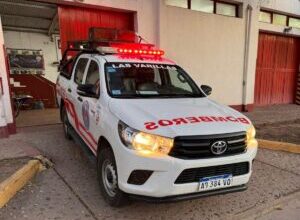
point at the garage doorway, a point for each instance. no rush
(75, 22)
(277, 68)
(32, 53)
(39, 31)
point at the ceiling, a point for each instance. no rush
(29, 16)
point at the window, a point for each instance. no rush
(93, 76)
(294, 22)
(93, 73)
(67, 68)
(203, 5)
(178, 81)
(178, 3)
(79, 71)
(265, 17)
(279, 19)
(145, 80)
(208, 6)
(226, 9)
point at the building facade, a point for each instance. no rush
(241, 48)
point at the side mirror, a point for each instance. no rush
(87, 90)
(206, 89)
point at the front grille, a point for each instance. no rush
(195, 174)
(196, 147)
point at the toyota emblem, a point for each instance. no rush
(218, 147)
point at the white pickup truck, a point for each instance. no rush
(155, 133)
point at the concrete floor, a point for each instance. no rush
(28, 118)
(70, 189)
(274, 114)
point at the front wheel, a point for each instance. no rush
(108, 178)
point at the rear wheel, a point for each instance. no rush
(66, 123)
(108, 178)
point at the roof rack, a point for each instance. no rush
(108, 37)
(110, 41)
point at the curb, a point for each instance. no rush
(10, 186)
(280, 146)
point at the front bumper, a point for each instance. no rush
(161, 184)
(190, 196)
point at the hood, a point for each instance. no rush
(178, 117)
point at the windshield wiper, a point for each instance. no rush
(180, 95)
(159, 96)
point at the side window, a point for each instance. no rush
(93, 76)
(79, 70)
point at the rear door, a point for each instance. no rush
(88, 113)
(73, 102)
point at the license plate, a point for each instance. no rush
(215, 182)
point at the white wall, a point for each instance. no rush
(5, 105)
(210, 47)
(286, 6)
(36, 41)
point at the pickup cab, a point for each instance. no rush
(155, 133)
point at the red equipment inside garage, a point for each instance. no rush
(75, 22)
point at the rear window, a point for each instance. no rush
(65, 69)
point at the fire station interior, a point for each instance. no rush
(32, 44)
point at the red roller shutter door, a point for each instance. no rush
(276, 69)
(74, 22)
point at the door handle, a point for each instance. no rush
(79, 99)
(69, 90)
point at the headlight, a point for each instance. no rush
(144, 142)
(251, 141)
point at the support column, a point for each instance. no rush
(7, 123)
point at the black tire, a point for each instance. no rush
(66, 123)
(16, 108)
(106, 163)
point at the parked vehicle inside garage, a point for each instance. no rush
(155, 133)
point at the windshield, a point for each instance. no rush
(134, 80)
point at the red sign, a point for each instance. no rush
(192, 120)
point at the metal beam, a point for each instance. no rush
(30, 5)
(53, 24)
(25, 29)
(24, 16)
